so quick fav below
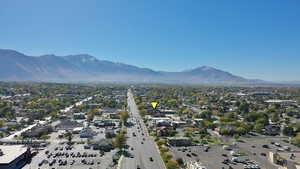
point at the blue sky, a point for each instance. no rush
(250, 38)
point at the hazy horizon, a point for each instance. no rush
(256, 40)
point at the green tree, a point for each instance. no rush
(171, 164)
(180, 161)
(274, 117)
(120, 141)
(296, 140)
(163, 149)
(44, 137)
(166, 157)
(2, 124)
(241, 131)
(90, 116)
(206, 115)
(124, 116)
(54, 114)
(225, 132)
(258, 127)
(296, 127)
(161, 142)
(244, 107)
(69, 136)
(232, 116)
(172, 103)
(263, 121)
(253, 116)
(288, 131)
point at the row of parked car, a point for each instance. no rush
(71, 154)
(54, 161)
(247, 164)
(61, 162)
(63, 148)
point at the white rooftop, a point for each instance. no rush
(78, 129)
(11, 152)
(279, 101)
(160, 118)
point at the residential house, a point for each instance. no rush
(272, 130)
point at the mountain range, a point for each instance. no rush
(16, 66)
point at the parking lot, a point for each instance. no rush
(245, 154)
(59, 155)
(212, 157)
(258, 149)
(248, 153)
(63, 156)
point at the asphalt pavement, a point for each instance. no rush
(142, 148)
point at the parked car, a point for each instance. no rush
(263, 154)
(265, 146)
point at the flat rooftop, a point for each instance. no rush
(279, 101)
(11, 152)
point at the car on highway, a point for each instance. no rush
(194, 154)
(151, 159)
(224, 155)
(206, 149)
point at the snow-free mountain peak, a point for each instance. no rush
(15, 66)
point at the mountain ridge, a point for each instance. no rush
(16, 66)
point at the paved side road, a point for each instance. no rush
(143, 145)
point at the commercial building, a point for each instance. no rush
(104, 123)
(179, 141)
(67, 125)
(87, 133)
(102, 144)
(79, 116)
(13, 156)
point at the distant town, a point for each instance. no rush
(102, 126)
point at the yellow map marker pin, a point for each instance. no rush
(154, 104)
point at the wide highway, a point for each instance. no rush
(143, 150)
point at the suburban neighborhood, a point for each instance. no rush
(86, 126)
